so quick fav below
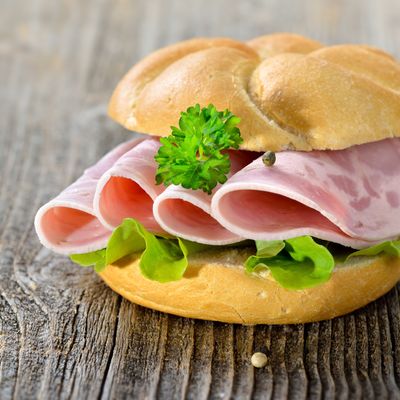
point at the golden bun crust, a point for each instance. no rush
(215, 287)
(290, 92)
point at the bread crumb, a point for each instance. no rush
(264, 273)
(262, 294)
(259, 360)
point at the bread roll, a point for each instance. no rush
(216, 287)
(289, 91)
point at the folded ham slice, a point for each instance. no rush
(351, 197)
(128, 189)
(187, 213)
(67, 224)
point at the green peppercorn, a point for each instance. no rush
(269, 158)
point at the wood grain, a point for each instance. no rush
(63, 334)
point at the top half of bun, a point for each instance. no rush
(290, 92)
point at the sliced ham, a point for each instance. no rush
(128, 189)
(67, 224)
(187, 213)
(351, 197)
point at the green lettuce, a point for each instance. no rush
(269, 248)
(126, 239)
(163, 259)
(95, 259)
(296, 263)
(391, 247)
(265, 250)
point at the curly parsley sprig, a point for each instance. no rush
(192, 156)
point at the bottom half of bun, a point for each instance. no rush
(216, 287)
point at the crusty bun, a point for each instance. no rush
(215, 287)
(289, 91)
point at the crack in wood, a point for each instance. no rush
(107, 370)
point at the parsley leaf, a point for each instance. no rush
(192, 156)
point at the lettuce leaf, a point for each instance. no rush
(97, 259)
(391, 247)
(265, 250)
(162, 260)
(302, 263)
(269, 248)
(126, 239)
(296, 263)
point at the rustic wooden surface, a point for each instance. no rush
(63, 333)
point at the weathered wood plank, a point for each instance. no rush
(63, 333)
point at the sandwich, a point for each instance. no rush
(265, 187)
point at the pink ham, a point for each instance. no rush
(351, 197)
(187, 213)
(67, 224)
(128, 189)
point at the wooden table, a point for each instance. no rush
(63, 333)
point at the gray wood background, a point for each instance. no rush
(63, 333)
